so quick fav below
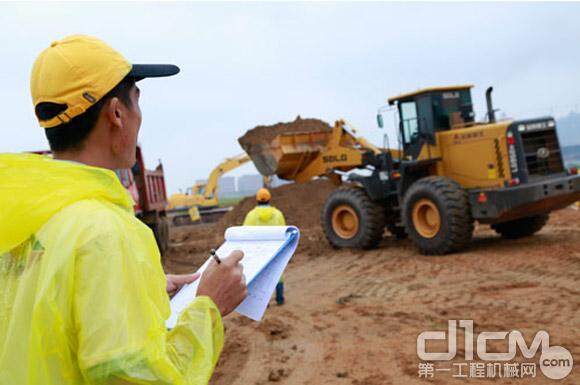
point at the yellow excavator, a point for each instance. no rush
(200, 202)
(448, 172)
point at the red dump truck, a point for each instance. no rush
(147, 187)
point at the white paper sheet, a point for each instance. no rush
(267, 251)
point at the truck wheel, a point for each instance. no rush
(397, 231)
(351, 219)
(522, 227)
(437, 215)
(161, 232)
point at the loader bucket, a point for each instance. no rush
(286, 154)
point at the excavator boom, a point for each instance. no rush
(210, 193)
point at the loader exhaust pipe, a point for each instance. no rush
(490, 110)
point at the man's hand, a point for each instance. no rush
(176, 282)
(224, 283)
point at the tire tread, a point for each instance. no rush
(371, 222)
(458, 215)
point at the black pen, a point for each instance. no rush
(215, 257)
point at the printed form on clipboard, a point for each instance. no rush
(267, 251)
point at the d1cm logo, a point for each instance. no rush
(556, 362)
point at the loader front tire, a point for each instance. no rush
(350, 219)
(437, 215)
(523, 227)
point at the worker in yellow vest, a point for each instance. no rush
(265, 215)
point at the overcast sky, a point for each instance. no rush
(245, 64)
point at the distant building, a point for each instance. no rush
(246, 185)
(249, 184)
(227, 186)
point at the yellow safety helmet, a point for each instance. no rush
(263, 195)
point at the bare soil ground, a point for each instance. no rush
(353, 317)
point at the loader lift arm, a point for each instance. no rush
(301, 156)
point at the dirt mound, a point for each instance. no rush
(300, 204)
(264, 134)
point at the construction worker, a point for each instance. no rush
(84, 296)
(265, 215)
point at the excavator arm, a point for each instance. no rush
(210, 196)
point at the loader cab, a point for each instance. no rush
(425, 112)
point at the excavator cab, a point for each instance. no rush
(424, 112)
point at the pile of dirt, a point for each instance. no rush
(300, 203)
(265, 134)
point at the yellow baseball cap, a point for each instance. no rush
(77, 71)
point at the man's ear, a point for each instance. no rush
(114, 116)
(114, 113)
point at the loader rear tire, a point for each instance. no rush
(351, 219)
(522, 227)
(437, 215)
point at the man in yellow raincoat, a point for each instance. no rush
(83, 296)
(265, 215)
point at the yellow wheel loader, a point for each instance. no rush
(448, 172)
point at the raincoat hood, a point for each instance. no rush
(265, 213)
(35, 187)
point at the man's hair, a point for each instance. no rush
(72, 135)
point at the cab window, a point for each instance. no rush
(410, 122)
(448, 103)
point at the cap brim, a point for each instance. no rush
(142, 71)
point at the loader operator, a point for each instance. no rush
(265, 215)
(84, 296)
